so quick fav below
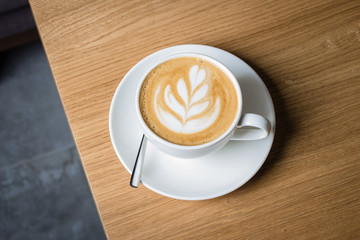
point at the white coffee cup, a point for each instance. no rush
(247, 126)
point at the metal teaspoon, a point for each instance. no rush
(136, 173)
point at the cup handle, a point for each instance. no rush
(252, 127)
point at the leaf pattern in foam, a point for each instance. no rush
(166, 118)
(173, 104)
(193, 106)
(199, 124)
(183, 92)
(197, 108)
(199, 94)
(196, 77)
(172, 122)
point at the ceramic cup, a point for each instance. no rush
(247, 126)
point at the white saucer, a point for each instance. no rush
(201, 178)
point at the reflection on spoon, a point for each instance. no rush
(136, 173)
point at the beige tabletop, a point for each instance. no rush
(308, 55)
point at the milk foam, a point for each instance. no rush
(195, 114)
(188, 101)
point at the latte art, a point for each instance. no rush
(188, 101)
(195, 112)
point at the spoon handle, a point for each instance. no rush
(136, 173)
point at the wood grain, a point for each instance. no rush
(307, 53)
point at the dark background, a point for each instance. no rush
(44, 193)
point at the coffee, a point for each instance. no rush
(188, 101)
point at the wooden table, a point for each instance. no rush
(307, 53)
